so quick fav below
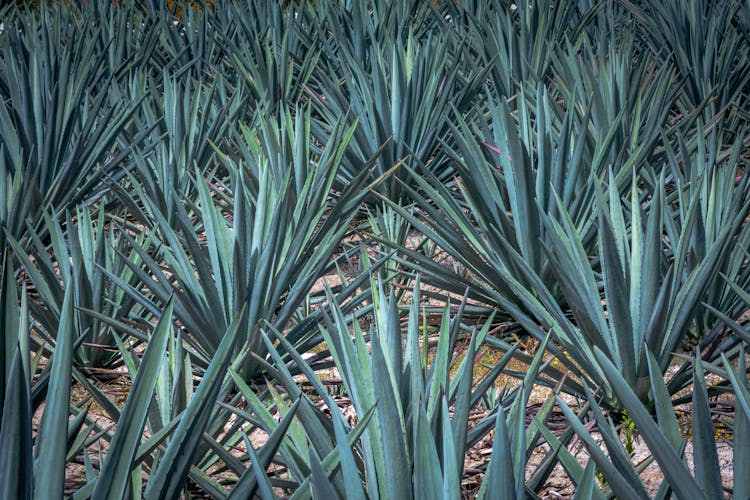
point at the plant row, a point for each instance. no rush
(296, 230)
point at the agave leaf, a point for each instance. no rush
(322, 488)
(264, 483)
(707, 471)
(349, 469)
(664, 409)
(463, 403)
(585, 488)
(10, 327)
(174, 466)
(148, 446)
(427, 472)
(76, 437)
(674, 471)
(336, 456)
(441, 364)
(252, 478)
(392, 426)
(620, 486)
(49, 470)
(741, 444)
(207, 483)
(449, 454)
(356, 368)
(574, 469)
(16, 459)
(499, 481)
(618, 455)
(114, 475)
(113, 411)
(738, 384)
(314, 430)
(617, 302)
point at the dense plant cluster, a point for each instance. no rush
(332, 247)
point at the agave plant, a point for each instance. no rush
(264, 238)
(81, 255)
(35, 460)
(402, 91)
(61, 122)
(273, 51)
(412, 410)
(188, 45)
(650, 305)
(663, 436)
(518, 40)
(705, 46)
(723, 194)
(188, 118)
(127, 39)
(35, 465)
(176, 177)
(524, 222)
(120, 471)
(515, 160)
